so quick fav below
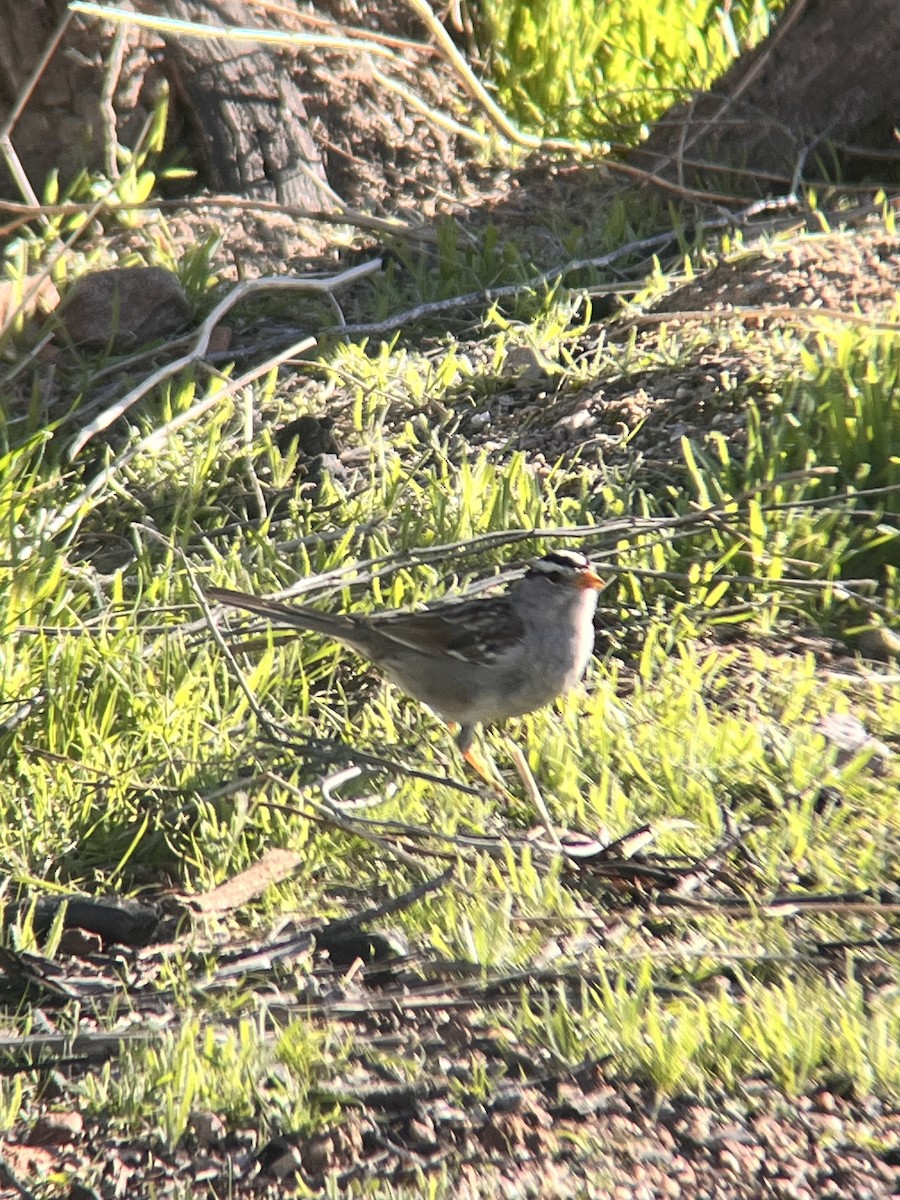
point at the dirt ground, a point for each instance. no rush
(578, 1134)
(556, 1136)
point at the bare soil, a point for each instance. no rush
(543, 1133)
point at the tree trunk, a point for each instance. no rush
(55, 126)
(247, 107)
(819, 98)
(243, 103)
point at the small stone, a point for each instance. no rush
(79, 944)
(524, 363)
(422, 1135)
(824, 1102)
(828, 1123)
(124, 308)
(317, 1154)
(220, 339)
(207, 1128)
(279, 1160)
(878, 643)
(580, 419)
(56, 1129)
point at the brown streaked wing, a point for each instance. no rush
(474, 629)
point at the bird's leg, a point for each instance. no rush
(465, 739)
(480, 768)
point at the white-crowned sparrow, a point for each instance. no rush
(474, 661)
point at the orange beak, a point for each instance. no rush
(590, 579)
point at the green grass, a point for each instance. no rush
(605, 69)
(129, 720)
(132, 759)
(789, 1031)
(238, 1073)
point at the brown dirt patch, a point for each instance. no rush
(850, 272)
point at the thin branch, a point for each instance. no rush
(155, 439)
(233, 33)
(268, 283)
(415, 102)
(29, 212)
(108, 120)
(533, 791)
(468, 78)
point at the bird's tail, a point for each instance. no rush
(297, 616)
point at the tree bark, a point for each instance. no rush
(54, 127)
(244, 104)
(247, 108)
(818, 98)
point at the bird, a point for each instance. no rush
(473, 662)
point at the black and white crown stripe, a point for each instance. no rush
(560, 564)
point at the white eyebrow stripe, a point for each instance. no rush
(561, 559)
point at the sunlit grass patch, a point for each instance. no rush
(605, 70)
(245, 1075)
(797, 1032)
(138, 757)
